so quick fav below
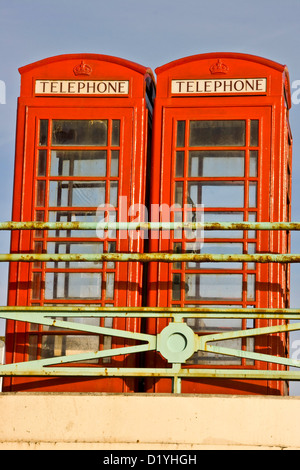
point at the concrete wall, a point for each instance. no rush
(186, 422)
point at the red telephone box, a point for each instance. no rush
(221, 139)
(82, 137)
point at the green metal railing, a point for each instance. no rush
(177, 342)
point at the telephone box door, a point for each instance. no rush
(219, 162)
(78, 168)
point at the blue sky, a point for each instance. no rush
(151, 33)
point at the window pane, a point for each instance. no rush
(84, 248)
(216, 194)
(73, 285)
(115, 133)
(76, 194)
(79, 132)
(251, 287)
(180, 133)
(65, 345)
(179, 193)
(253, 163)
(114, 164)
(214, 286)
(216, 248)
(216, 163)
(43, 140)
(223, 217)
(113, 196)
(179, 164)
(176, 287)
(252, 194)
(254, 133)
(40, 193)
(78, 163)
(217, 133)
(42, 163)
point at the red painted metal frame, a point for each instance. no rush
(274, 186)
(133, 112)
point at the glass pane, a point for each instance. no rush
(179, 164)
(180, 133)
(216, 194)
(76, 194)
(110, 285)
(251, 287)
(253, 163)
(113, 195)
(214, 286)
(176, 287)
(70, 216)
(202, 357)
(65, 345)
(217, 133)
(223, 217)
(39, 217)
(251, 251)
(79, 132)
(179, 193)
(252, 218)
(215, 324)
(42, 163)
(84, 248)
(216, 163)
(36, 286)
(40, 193)
(177, 249)
(114, 164)
(252, 194)
(254, 133)
(115, 133)
(73, 285)
(43, 140)
(78, 163)
(217, 248)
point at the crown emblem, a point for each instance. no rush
(219, 67)
(82, 69)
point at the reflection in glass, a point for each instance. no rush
(217, 133)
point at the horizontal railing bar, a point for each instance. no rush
(34, 225)
(133, 312)
(158, 257)
(256, 374)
